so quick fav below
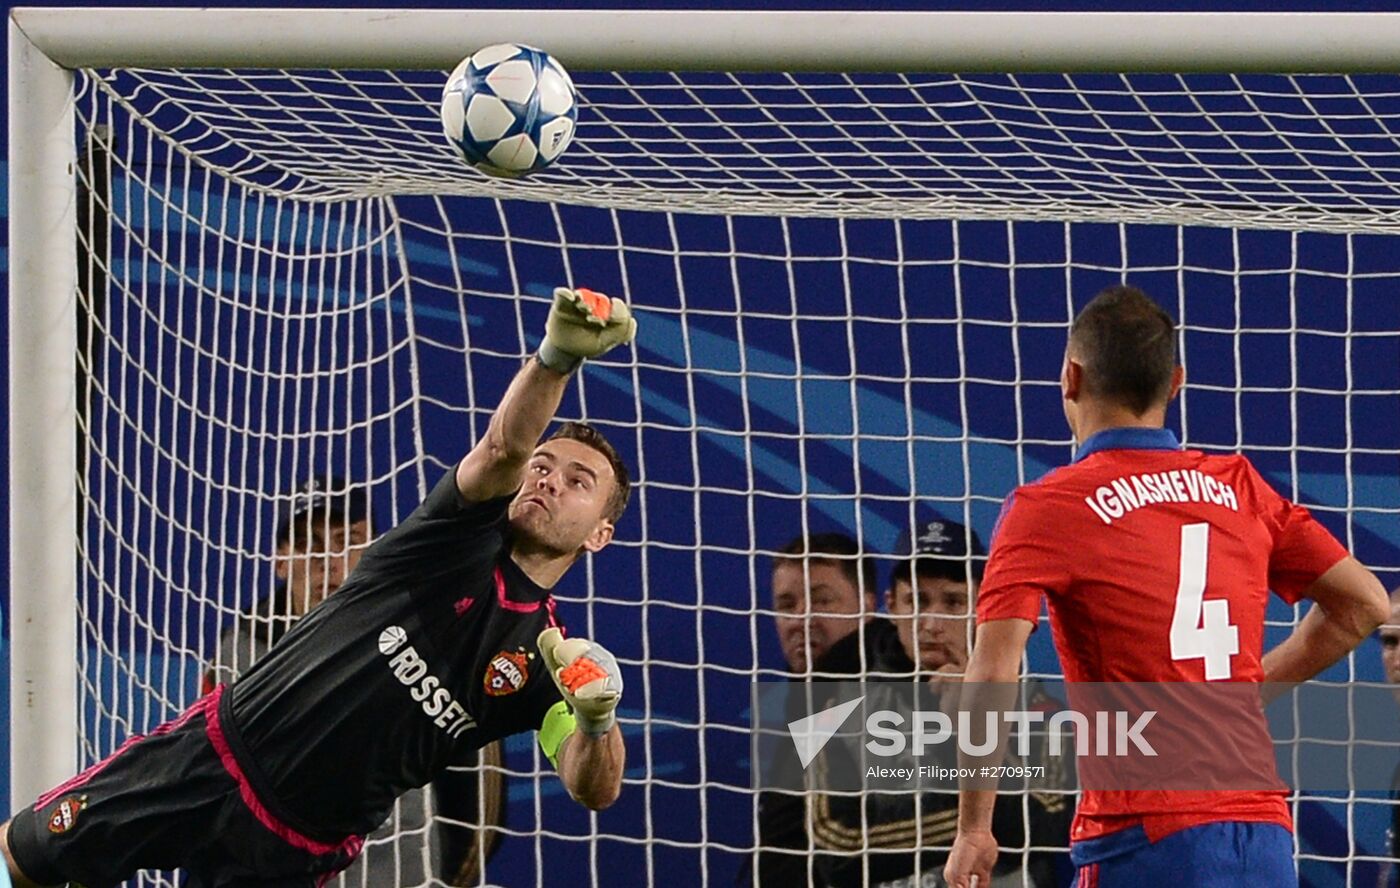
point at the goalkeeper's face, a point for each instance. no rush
(563, 503)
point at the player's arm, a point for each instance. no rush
(591, 767)
(580, 734)
(1027, 562)
(1307, 561)
(582, 324)
(1349, 602)
(990, 685)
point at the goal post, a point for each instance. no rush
(720, 40)
(853, 284)
(43, 419)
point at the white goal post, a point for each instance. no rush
(628, 40)
(47, 44)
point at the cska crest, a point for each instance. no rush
(65, 816)
(506, 673)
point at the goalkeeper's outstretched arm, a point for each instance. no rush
(582, 324)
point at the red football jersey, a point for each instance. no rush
(1156, 564)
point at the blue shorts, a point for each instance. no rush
(1213, 855)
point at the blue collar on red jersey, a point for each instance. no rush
(1128, 439)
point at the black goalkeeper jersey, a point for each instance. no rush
(427, 651)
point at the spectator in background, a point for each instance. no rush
(892, 840)
(932, 567)
(321, 532)
(1390, 663)
(823, 592)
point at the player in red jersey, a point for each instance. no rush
(1173, 557)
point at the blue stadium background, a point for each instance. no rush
(694, 405)
(687, 380)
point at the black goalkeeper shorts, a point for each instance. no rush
(174, 799)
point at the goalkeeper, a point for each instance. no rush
(443, 639)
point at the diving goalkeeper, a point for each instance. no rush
(443, 639)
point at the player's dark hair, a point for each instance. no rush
(622, 480)
(832, 548)
(1127, 346)
(955, 569)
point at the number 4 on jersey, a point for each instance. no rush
(1200, 628)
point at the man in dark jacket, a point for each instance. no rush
(823, 593)
(901, 840)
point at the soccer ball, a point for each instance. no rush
(509, 110)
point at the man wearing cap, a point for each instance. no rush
(926, 637)
(890, 646)
(322, 530)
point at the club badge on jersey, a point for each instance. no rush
(65, 816)
(507, 672)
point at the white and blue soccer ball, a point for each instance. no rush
(509, 110)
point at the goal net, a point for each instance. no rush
(853, 293)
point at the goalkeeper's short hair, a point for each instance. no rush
(622, 479)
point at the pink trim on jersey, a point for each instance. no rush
(520, 607)
(250, 798)
(94, 770)
(553, 622)
(353, 845)
(463, 605)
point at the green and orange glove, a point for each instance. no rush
(583, 324)
(587, 675)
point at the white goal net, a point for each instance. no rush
(853, 293)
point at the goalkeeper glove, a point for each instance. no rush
(583, 324)
(587, 676)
